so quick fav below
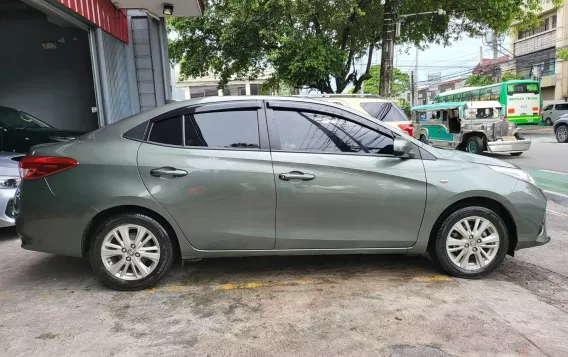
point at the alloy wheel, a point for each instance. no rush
(472, 243)
(130, 252)
(562, 133)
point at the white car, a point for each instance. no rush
(382, 109)
(9, 180)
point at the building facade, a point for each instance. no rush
(82, 64)
(535, 51)
(208, 86)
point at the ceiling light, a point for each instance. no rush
(168, 9)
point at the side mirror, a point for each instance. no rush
(403, 148)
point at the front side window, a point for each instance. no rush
(323, 133)
(548, 107)
(230, 129)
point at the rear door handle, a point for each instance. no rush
(296, 175)
(168, 171)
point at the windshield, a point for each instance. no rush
(12, 118)
(522, 88)
(482, 113)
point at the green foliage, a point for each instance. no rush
(478, 80)
(510, 76)
(562, 54)
(400, 82)
(317, 42)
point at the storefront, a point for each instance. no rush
(81, 64)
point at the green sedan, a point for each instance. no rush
(251, 176)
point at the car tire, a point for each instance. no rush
(561, 133)
(516, 153)
(548, 121)
(474, 145)
(492, 249)
(145, 262)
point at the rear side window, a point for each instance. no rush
(136, 133)
(168, 131)
(562, 106)
(231, 129)
(384, 111)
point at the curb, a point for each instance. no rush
(556, 197)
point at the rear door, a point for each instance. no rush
(337, 182)
(210, 168)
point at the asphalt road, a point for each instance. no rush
(393, 306)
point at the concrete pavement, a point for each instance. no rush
(290, 306)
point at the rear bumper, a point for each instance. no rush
(508, 146)
(47, 223)
(6, 207)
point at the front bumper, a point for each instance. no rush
(503, 146)
(6, 207)
(541, 239)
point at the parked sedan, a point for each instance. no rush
(249, 176)
(19, 131)
(561, 129)
(9, 180)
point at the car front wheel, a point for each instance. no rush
(471, 243)
(562, 134)
(131, 252)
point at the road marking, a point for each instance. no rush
(426, 279)
(557, 213)
(256, 285)
(554, 172)
(555, 193)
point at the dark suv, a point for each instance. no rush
(19, 131)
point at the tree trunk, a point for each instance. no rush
(387, 49)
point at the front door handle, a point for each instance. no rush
(296, 175)
(168, 171)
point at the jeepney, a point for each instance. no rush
(470, 126)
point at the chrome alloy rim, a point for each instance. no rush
(472, 243)
(562, 133)
(130, 252)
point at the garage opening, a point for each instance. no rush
(45, 68)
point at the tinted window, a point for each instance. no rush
(384, 111)
(311, 132)
(167, 131)
(136, 133)
(232, 129)
(562, 106)
(548, 107)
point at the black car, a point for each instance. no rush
(19, 131)
(561, 129)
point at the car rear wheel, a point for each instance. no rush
(471, 243)
(474, 145)
(562, 133)
(131, 252)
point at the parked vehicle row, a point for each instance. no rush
(247, 176)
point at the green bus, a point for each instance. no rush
(521, 99)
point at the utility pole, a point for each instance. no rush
(416, 78)
(495, 58)
(390, 22)
(412, 102)
(387, 49)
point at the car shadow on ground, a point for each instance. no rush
(8, 233)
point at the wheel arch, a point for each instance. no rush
(100, 217)
(466, 137)
(486, 202)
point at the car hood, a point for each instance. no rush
(9, 167)
(456, 155)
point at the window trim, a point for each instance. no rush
(275, 144)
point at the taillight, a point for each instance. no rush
(408, 128)
(35, 167)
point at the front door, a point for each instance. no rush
(210, 172)
(338, 185)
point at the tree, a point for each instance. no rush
(401, 82)
(510, 76)
(478, 80)
(562, 54)
(318, 43)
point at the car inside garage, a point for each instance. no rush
(45, 69)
